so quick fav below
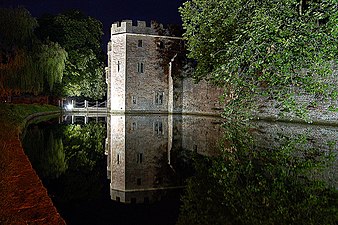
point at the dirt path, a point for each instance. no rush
(23, 199)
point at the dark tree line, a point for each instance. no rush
(57, 55)
(27, 64)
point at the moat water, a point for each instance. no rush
(164, 169)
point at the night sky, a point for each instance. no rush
(107, 11)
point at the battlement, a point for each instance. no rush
(127, 26)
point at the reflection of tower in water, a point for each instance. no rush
(145, 153)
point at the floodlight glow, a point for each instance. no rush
(69, 106)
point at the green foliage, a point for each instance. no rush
(12, 117)
(80, 35)
(26, 63)
(84, 76)
(84, 144)
(270, 50)
(72, 155)
(46, 152)
(31, 69)
(84, 148)
(248, 184)
(52, 62)
(16, 26)
(274, 49)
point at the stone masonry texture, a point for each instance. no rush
(137, 81)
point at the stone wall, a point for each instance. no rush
(320, 110)
(127, 26)
(200, 98)
(138, 79)
(145, 78)
(116, 71)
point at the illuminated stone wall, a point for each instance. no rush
(145, 78)
(137, 81)
(116, 79)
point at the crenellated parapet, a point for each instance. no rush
(127, 26)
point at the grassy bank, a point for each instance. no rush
(14, 116)
(23, 198)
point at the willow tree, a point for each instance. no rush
(26, 63)
(255, 48)
(51, 62)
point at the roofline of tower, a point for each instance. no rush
(149, 35)
(139, 24)
(141, 28)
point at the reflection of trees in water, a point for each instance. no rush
(84, 144)
(251, 185)
(68, 158)
(46, 152)
(84, 150)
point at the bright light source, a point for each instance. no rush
(69, 106)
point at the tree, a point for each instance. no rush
(17, 26)
(27, 65)
(271, 49)
(80, 35)
(51, 61)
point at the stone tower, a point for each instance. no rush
(136, 81)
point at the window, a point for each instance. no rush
(159, 97)
(134, 100)
(140, 67)
(140, 43)
(158, 128)
(134, 126)
(138, 181)
(118, 159)
(139, 157)
(118, 66)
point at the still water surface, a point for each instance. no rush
(119, 169)
(134, 169)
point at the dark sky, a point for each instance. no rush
(107, 11)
